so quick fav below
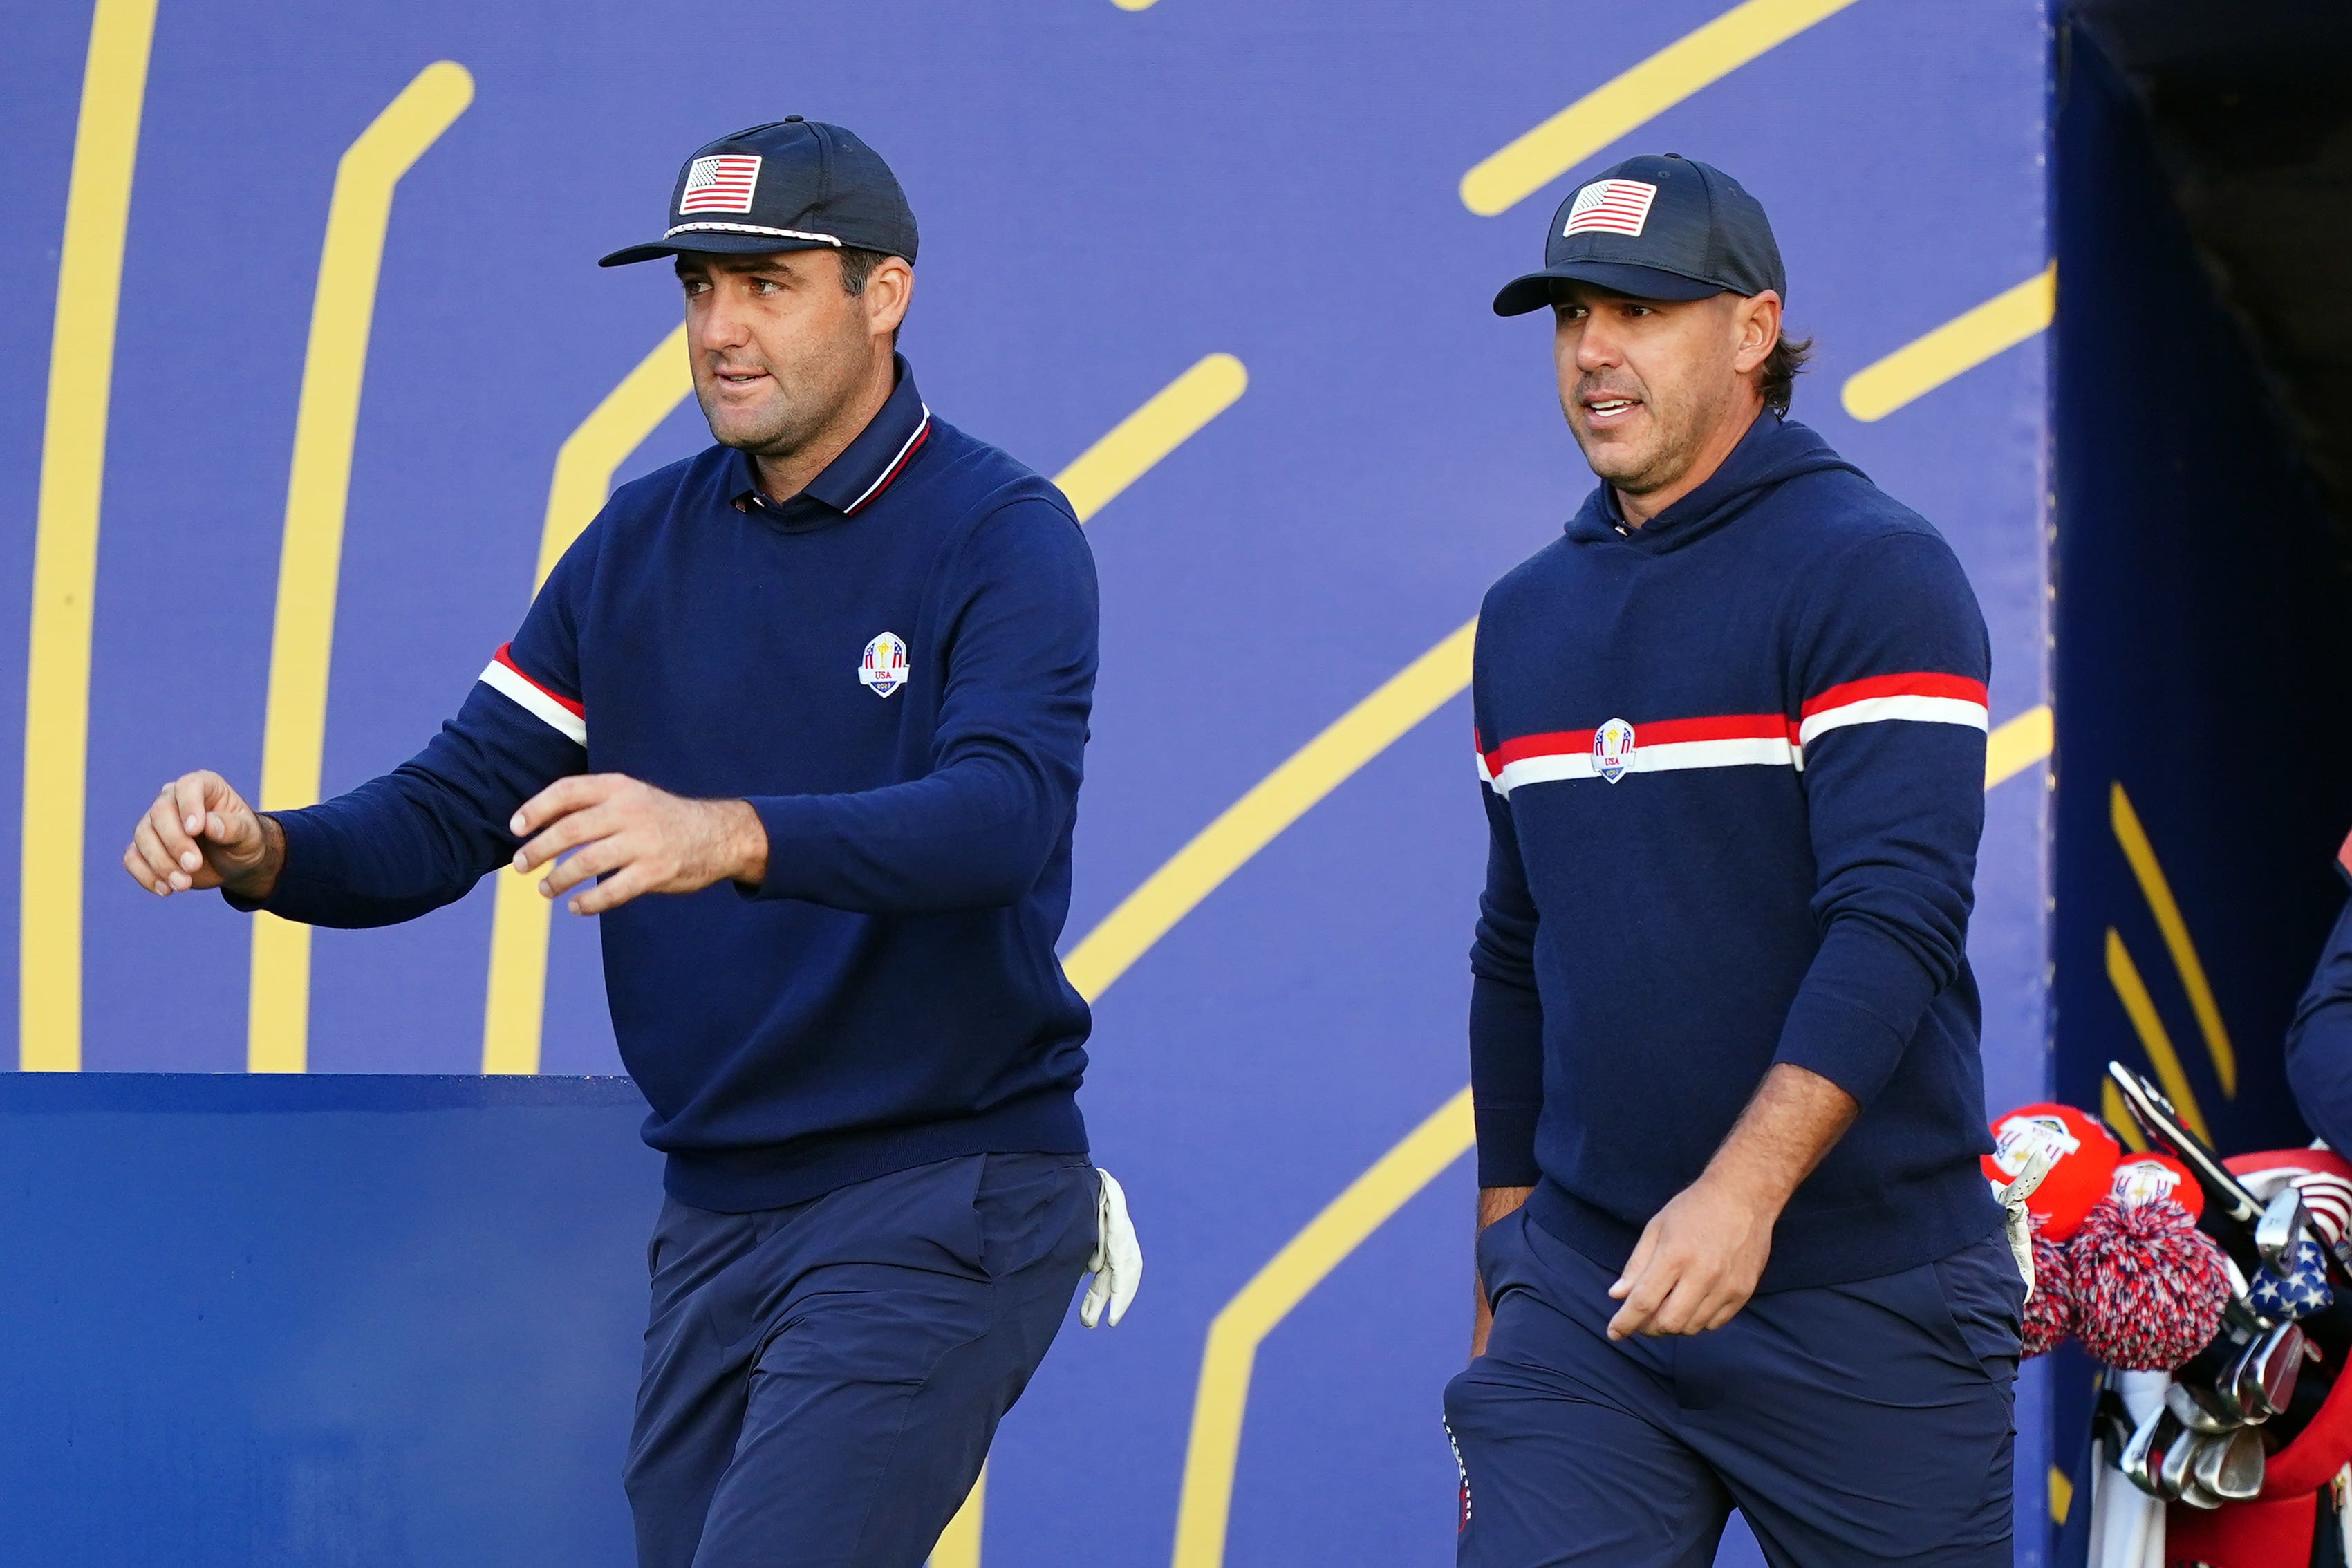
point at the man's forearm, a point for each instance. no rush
(1795, 1118)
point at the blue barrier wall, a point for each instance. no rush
(334, 1322)
(1107, 196)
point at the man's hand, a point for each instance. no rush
(201, 834)
(1697, 1261)
(639, 839)
(1699, 1257)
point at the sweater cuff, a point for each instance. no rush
(301, 848)
(798, 840)
(1856, 1012)
(1506, 1080)
(1506, 1145)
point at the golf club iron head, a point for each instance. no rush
(2231, 1467)
(2142, 1455)
(2266, 1373)
(2200, 1409)
(2172, 1472)
(2283, 1223)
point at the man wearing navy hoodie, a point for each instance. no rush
(1734, 1248)
(802, 719)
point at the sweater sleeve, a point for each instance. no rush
(1506, 1013)
(2319, 1042)
(977, 831)
(421, 835)
(1891, 661)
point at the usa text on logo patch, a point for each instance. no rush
(721, 184)
(1611, 206)
(885, 666)
(1612, 750)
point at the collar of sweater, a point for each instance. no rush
(1772, 450)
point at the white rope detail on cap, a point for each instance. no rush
(750, 228)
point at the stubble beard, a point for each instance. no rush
(822, 387)
(1654, 465)
(785, 427)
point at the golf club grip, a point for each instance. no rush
(2152, 1111)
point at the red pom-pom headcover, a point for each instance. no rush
(2148, 1286)
(2084, 1153)
(2050, 1310)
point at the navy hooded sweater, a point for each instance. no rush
(1734, 773)
(895, 668)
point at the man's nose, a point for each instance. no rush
(724, 323)
(1597, 348)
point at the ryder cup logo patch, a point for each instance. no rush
(1611, 206)
(885, 666)
(719, 185)
(2019, 1137)
(1612, 750)
(2144, 1181)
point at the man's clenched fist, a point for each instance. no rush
(201, 834)
(639, 839)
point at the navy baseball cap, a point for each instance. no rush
(791, 184)
(1654, 228)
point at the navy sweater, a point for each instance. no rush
(2319, 1041)
(1734, 766)
(895, 668)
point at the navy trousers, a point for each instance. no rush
(821, 1382)
(1849, 1424)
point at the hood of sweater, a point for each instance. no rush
(1772, 451)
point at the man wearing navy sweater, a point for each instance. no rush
(839, 668)
(1734, 1240)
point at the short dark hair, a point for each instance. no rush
(1781, 368)
(857, 266)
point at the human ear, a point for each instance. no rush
(1757, 321)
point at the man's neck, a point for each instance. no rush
(1637, 509)
(785, 477)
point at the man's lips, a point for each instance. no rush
(737, 379)
(1606, 410)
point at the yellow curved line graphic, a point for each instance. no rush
(2132, 991)
(317, 487)
(1281, 798)
(1234, 1334)
(1697, 59)
(516, 1003)
(2017, 743)
(958, 1543)
(1172, 415)
(64, 548)
(2167, 910)
(1960, 344)
(1301, 1265)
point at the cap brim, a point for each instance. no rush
(1532, 291)
(711, 244)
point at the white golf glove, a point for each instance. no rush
(1116, 1266)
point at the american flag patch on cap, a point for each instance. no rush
(1611, 206)
(721, 184)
